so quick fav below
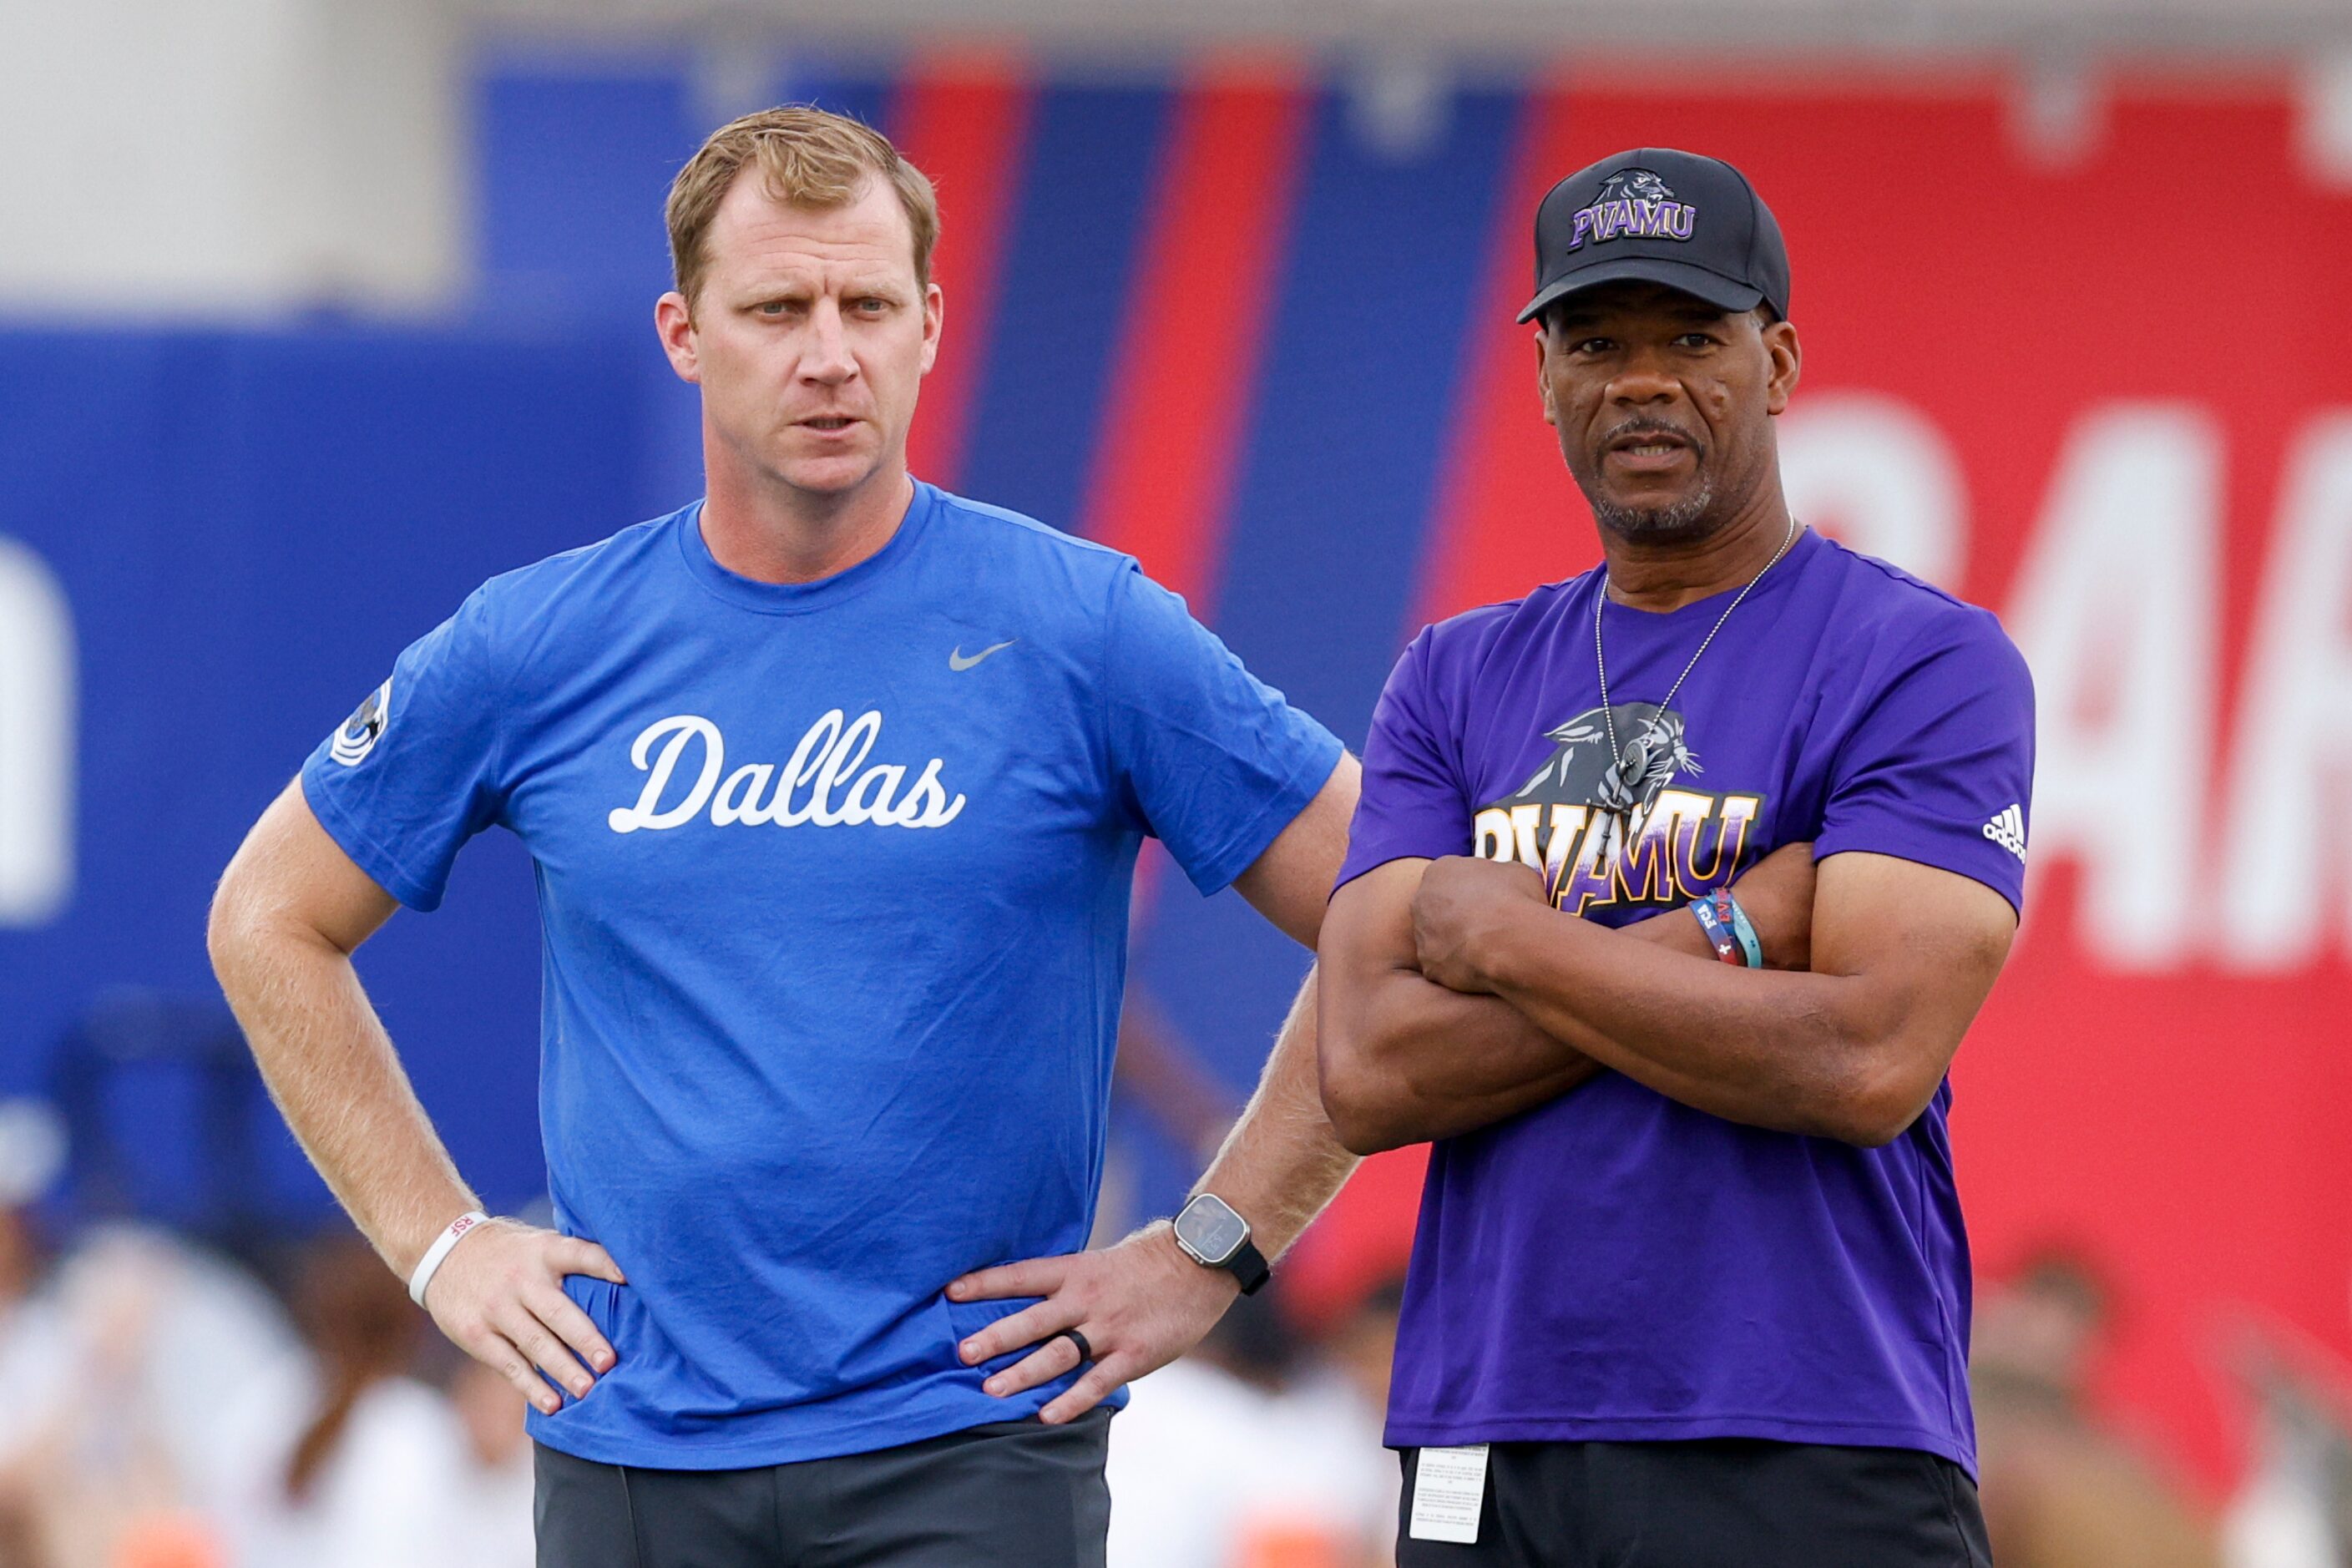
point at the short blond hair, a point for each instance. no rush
(807, 158)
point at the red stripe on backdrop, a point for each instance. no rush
(1508, 516)
(1361, 1243)
(964, 120)
(1186, 371)
(1186, 368)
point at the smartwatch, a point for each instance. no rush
(1214, 1236)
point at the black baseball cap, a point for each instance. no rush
(1664, 216)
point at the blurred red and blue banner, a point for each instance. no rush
(1257, 327)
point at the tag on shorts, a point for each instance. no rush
(1448, 1486)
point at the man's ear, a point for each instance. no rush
(1543, 376)
(934, 322)
(1788, 359)
(674, 324)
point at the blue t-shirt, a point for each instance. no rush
(1614, 1264)
(833, 885)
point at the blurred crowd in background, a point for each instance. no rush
(170, 1403)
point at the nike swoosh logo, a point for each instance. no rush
(956, 659)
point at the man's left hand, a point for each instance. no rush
(1139, 1304)
(1460, 904)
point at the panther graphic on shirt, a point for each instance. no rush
(1627, 833)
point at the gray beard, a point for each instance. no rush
(1682, 519)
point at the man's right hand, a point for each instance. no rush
(498, 1295)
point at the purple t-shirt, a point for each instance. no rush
(1614, 1264)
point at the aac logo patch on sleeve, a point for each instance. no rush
(360, 731)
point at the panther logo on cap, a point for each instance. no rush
(1638, 184)
(1634, 204)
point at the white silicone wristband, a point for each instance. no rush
(439, 1250)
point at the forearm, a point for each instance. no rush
(1792, 1051)
(1431, 1063)
(1425, 1063)
(1282, 1161)
(333, 1071)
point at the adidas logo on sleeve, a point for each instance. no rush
(2007, 830)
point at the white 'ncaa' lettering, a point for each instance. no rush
(759, 793)
(2007, 830)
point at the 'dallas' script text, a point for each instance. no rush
(822, 786)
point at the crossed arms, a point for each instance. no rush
(1455, 995)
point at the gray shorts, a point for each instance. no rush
(1012, 1492)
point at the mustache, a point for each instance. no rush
(1641, 426)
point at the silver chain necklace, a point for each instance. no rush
(1619, 783)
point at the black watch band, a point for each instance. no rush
(1248, 1264)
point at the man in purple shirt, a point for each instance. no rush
(1691, 1285)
